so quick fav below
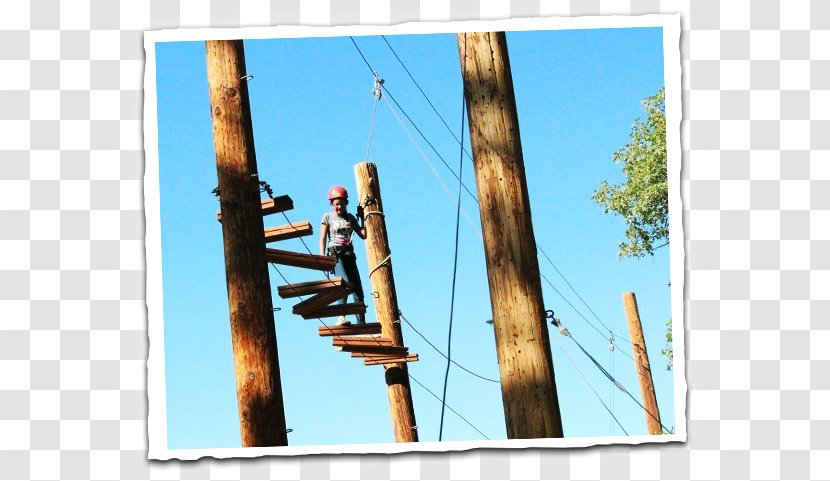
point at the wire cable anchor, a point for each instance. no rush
(557, 323)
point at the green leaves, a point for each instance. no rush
(642, 200)
(668, 349)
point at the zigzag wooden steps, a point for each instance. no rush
(362, 341)
(297, 259)
(271, 206)
(337, 310)
(375, 360)
(320, 300)
(308, 288)
(350, 330)
(288, 231)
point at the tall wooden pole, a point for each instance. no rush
(258, 387)
(386, 301)
(635, 328)
(531, 405)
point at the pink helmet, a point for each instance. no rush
(337, 192)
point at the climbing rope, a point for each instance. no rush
(384, 262)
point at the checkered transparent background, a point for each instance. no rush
(756, 189)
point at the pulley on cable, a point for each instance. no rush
(377, 93)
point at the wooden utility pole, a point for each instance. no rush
(386, 302)
(531, 405)
(258, 388)
(635, 328)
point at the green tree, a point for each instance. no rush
(643, 199)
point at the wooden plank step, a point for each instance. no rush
(319, 300)
(350, 330)
(288, 231)
(298, 259)
(363, 351)
(308, 288)
(280, 203)
(337, 310)
(372, 361)
(271, 206)
(362, 341)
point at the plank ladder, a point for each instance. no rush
(364, 341)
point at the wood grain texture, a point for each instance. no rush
(253, 335)
(307, 288)
(362, 341)
(531, 405)
(347, 309)
(375, 360)
(641, 363)
(319, 300)
(288, 231)
(363, 351)
(298, 259)
(350, 330)
(386, 302)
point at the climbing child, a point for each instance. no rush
(336, 232)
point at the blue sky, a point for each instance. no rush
(577, 91)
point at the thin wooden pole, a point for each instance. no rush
(635, 328)
(531, 405)
(258, 387)
(386, 301)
